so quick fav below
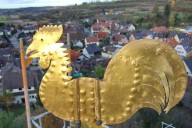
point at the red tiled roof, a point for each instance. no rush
(75, 55)
(105, 24)
(102, 34)
(172, 42)
(100, 25)
(92, 39)
(96, 26)
(160, 29)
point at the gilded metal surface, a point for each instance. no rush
(144, 73)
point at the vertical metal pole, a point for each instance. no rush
(69, 51)
(24, 76)
(40, 123)
(68, 40)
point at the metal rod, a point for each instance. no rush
(24, 76)
(35, 124)
(40, 123)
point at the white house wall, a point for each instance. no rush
(18, 99)
(177, 39)
(106, 55)
(131, 28)
(181, 51)
(86, 53)
(79, 44)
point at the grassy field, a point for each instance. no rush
(4, 19)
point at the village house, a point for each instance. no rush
(29, 28)
(77, 43)
(172, 42)
(91, 50)
(7, 31)
(123, 29)
(75, 25)
(104, 29)
(160, 29)
(6, 56)
(184, 49)
(114, 25)
(82, 57)
(183, 36)
(119, 39)
(95, 28)
(77, 35)
(106, 25)
(160, 36)
(135, 36)
(27, 37)
(102, 35)
(188, 29)
(109, 51)
(9, 74)
(75, 55)
(175, 36)
(147, 34)
(102, 26)
(92, 40)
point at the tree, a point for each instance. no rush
(173, 4)
(99, 72)
(6, 119)
(103, 11)
(167, 10)
(189, 18)
(155, 9)
(6, 38)
(86, 24)
(2, 24)
(5, 100)
(172, 19)
(177, 20)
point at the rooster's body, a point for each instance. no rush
(144, 73)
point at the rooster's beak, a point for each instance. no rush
(32, 53)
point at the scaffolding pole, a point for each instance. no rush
(24, 76)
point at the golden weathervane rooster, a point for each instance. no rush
(144, 73)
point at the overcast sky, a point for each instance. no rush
(38, 3)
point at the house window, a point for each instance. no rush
(20, 89)
(32, 96)
(29, 87)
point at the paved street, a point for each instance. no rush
(14, 39)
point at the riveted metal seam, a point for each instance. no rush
(97, 100)
(76, 100)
